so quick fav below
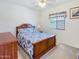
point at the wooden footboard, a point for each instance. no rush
(43, 46)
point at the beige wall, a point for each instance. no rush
(12, 14)
(71, 33)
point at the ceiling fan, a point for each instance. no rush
(43, 3)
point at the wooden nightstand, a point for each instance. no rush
(8, 46)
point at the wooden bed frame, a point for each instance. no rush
(41, 47)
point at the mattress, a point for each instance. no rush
(62, 51)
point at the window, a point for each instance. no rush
(57, 20)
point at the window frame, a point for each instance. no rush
(60, 14)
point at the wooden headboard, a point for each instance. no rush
(23, 26)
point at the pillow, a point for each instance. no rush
(26, 30)
(21, 31)
(30, 30)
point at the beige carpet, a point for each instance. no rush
(62, 51)
(22, 54)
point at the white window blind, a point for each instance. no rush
(57, 20)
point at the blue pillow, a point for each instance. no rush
(27, 30)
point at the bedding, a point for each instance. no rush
(26, 44)
(32, 35)
(27, 36)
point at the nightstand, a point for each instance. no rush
(41, 31)
(8, 46)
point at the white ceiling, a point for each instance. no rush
(34, 3)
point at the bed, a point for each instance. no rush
(39, 46)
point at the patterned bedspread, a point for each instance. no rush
(28, 36)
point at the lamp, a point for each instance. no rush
(42, 3)
(38, 28)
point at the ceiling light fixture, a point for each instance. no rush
(42, 3)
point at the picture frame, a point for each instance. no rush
(74, 13)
